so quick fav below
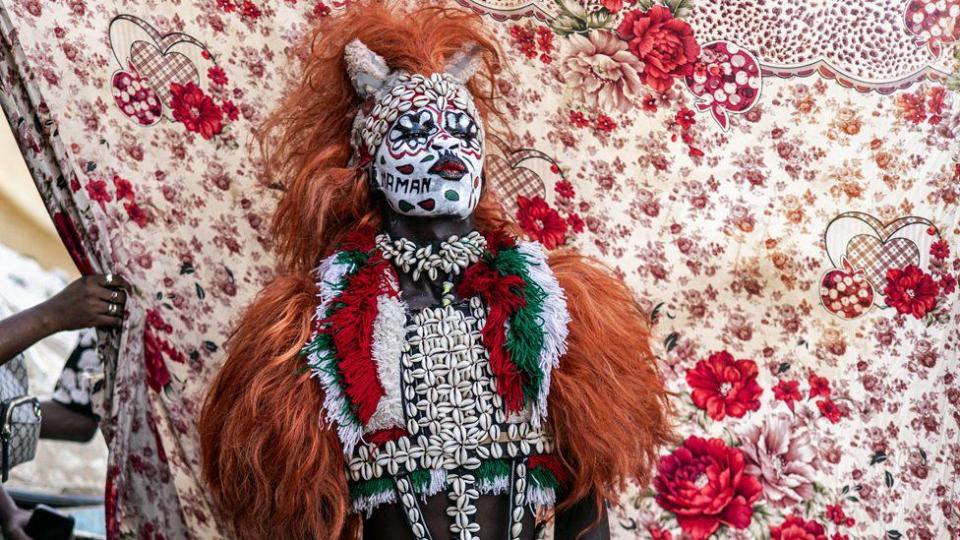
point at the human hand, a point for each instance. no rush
(89, 301)
(14, 524)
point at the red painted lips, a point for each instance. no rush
(449, 167)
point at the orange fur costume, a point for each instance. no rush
(274, 468)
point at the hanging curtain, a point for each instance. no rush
(778, 183)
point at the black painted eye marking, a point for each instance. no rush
(413, 129)
(460, 125)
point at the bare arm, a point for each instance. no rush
(63, 424)
(84, 303)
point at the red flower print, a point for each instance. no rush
(564, 189)
(73, 242)
(819, 386)
(97, 191)
(829, 410)
(656, 533)
(230, 110)
(910, 290)
(947, 284)
(217, 75)
(664, 44)
(704, 484)
(575, 222)
(605, 124)
(541, 222)
(321, 10)
(649, 103)
(196, 110)
(154, 350)
(724, 387)
(250, 10)
(940, 249)
(577, 119)
(685, 118)
(226, 5)
(612, 6)
(157, 374)
(123, 187)
(136, 214)
(787, 392)
(796, 528)
(836, 515)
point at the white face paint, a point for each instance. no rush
(429, 163)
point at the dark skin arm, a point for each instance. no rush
(60, 423)
(82, 304)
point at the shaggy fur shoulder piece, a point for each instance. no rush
(609, 413)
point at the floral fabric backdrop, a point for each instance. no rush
(778, 181)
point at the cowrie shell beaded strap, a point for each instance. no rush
(451, 257)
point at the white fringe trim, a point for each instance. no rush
(555, 320)
(497, 486)
(389, 335)
(369, 503)
(539, 496)
(329, 274)
(438, 482)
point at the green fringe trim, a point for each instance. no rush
(525, 339)
(420, 480)
(543, 478)
(368, 488)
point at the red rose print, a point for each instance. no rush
(612, 6)
(819, 386)
(664, 44)
(948, 283)
(704, 484)
(157, 374)
(231, 110)
(154, 350)
(196, 110)
(541, 222)
(910, 290)
(829, 410)
(564, 189)
(940, 249)
(136, 214)
(797, 528)
(73, 242)
(217, 75)
(787, 392)
(123, 187)
(97, 191)
(724, 387)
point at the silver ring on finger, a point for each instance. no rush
(112, 309)
(109, 278)
(115, 295)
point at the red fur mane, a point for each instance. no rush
(274, 469)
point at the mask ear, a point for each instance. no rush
(464, 63)
(367, 69)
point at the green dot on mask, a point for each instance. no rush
(405, 206)
(451, 195)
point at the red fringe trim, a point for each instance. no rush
(380, 437)
(497, 240)
(351, 327)
(551, 463)
(504, 295)
(361, 239)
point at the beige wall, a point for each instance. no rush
(25, 225)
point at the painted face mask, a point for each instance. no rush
(421, 136)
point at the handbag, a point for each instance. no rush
(19, 417)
